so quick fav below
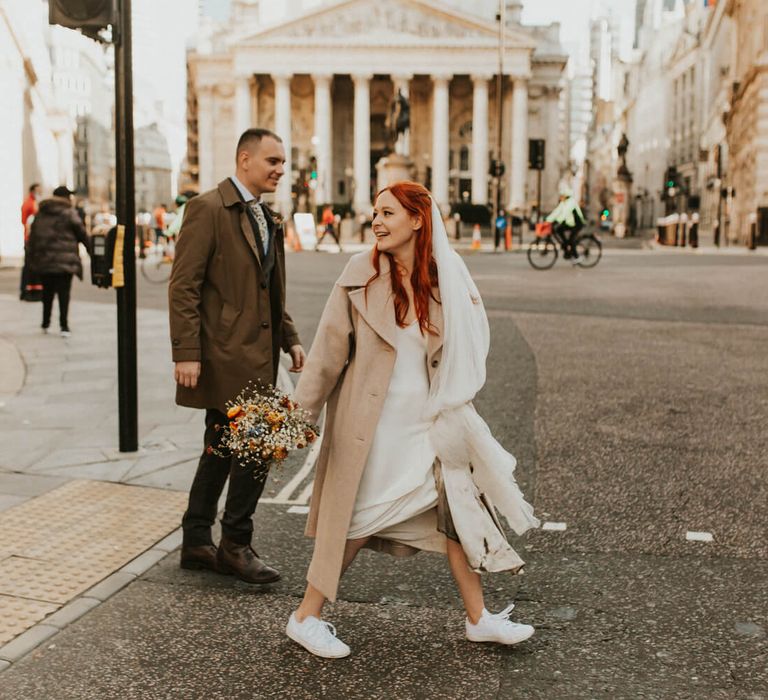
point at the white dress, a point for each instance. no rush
(397, 494)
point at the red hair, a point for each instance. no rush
(416, 201)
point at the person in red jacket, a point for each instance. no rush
(30, 289)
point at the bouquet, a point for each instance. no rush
(264, 425)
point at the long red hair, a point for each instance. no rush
(416, 200)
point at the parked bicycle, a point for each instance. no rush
(544, 251)
(158, 260)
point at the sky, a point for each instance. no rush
(573, 15)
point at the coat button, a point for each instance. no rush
(264, 324)
(263, 285)
(435, 363)
(176, 342)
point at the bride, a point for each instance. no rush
(406, 463)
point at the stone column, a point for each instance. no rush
(243, 117)
(519, 157)
(323, 136)
(440, 140)
(362, 154)
(283, 199)
(480, 139)
(206, 104)
(401, 83)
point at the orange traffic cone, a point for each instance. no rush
(476, 237)
(292, 238)
(508, 237)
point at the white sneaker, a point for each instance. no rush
(317, 637)
(498, 628)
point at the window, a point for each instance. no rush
(464, 158)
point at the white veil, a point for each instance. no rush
(469, 454)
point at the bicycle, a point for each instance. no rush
(543, 252)
(158, 260)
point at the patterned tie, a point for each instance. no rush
(261, 221)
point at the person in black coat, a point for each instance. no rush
(53, 252)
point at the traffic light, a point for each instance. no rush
(671, 180)
(605, 214)
(313, 168)
(496, 169)
(87, 15)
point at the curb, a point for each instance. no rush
(76, 608)
(13, 369)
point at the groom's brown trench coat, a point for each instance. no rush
(350, 366)
(223, 314)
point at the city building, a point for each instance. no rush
(747, 123)
(317, 75)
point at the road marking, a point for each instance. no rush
(693, 536)
(303, 510)
(554, 527)
(284, 381)
(284, 495)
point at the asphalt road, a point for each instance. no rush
(635, 397)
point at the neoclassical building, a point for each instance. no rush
(325, 81)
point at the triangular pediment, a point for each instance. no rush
(387, 23)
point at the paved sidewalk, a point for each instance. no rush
(58, 428)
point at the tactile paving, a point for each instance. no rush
(58, 545)
(19, 614)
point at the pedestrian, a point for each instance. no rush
(328, 222)
(53, 253)
(30, 288)
(406, 463)
(158, 221)
(499, 226)
(228, 323)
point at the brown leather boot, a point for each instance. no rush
(242, 561)
(200, 557)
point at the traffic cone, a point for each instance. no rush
(508, 237)
(476, 237)
(292, 238)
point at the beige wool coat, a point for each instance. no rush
(349, 367)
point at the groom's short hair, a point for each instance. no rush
(251, 137)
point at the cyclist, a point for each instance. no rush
(568, 220)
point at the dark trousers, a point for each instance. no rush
(329, 229)
(242, 495)
(59, 285)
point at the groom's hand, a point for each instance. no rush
(187, 373)
(298, 356)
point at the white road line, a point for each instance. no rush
(284, 495)
(284, 381)
(306, 493)
(554, 527)
(299, 509)
(693, 536)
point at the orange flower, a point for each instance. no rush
(234, 412)
(233, 426)
(280, 452)
(310, 435)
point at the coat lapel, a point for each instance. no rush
(377, 308)
(435, 342)
(231, 198)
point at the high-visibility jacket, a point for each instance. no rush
(566, 213)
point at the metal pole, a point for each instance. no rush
(126, 215)
(499, 108)
(538, 196)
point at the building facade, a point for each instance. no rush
(747, 122)
(331, 96)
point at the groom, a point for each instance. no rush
(228, 323)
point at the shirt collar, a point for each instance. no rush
(245, 193)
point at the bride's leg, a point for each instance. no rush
(468, 581)
(313, 601)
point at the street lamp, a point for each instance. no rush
(497, 167)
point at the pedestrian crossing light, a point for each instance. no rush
(605, 214)
(313, 168)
